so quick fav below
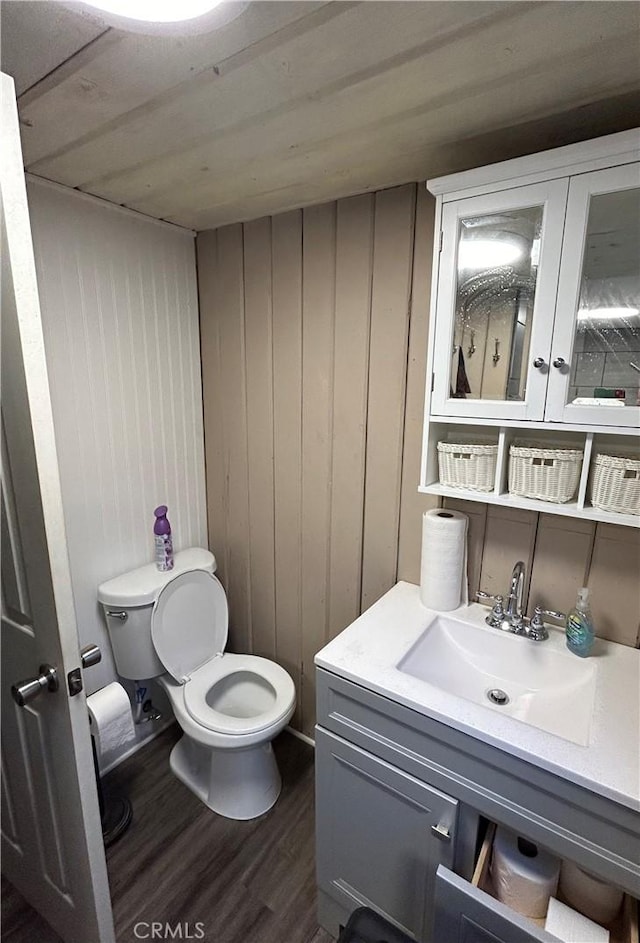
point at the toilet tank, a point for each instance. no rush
(128, 601)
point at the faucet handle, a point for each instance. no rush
(536, 630)
(495, 596)
(539, 611)
(497, 613)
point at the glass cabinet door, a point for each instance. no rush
(496, 297)
(595, 371)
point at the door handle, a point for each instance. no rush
(559, 362)
(539, 363)
(441, 832)
(25, 691)
(90, 655)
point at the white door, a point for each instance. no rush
(496, 298)
(52, 848)
(595, 360)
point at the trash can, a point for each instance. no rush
(366, 926)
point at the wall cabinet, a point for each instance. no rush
(391, 784)
(597, 326)
(535, 313)
(497, 286)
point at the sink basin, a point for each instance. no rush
(533, 682)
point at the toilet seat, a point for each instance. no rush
(189, 626)
(272, 683)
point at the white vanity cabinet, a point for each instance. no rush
(467, 911)
(535, 309)
(382, 835)
(399, 801)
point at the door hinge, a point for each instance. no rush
(433, 381)
(440, 242)
(74, 680)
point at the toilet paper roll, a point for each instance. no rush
(443, 569)
(524, 876)
(111, 720)
(588, 894)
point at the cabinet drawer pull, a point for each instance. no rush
(441, 832)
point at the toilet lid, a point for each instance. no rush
(189, 623)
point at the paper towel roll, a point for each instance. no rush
(443, 569)
(524, 876)
(111, 719)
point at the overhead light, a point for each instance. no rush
(169, 17)
(487, 253)
(153, 12)
(607, 314)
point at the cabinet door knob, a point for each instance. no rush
(539, 363)
(441, 832)
(559, 362)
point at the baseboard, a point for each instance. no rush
(157, 729)
(301, 736)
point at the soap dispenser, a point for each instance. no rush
(580, 634)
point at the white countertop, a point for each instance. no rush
(368, 651)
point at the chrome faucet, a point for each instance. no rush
(513, 615)
(512, 618)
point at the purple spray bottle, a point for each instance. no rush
(164, 544)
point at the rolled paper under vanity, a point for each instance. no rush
(524, 876)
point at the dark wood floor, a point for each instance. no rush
(20, 922)
(245, 882)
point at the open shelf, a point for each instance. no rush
(589, 441)
(570, 509)
(524, 427)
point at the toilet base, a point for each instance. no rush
(238, 784)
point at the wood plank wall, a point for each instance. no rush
(561, 555)
(314, 327)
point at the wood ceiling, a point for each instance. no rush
(295, 103)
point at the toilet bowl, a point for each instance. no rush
(173, 626)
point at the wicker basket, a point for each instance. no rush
(615, 484)
(544, 473)
(467, 466)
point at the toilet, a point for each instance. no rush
(173, 627)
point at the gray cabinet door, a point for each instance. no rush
(465, 914)
(375, 840)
